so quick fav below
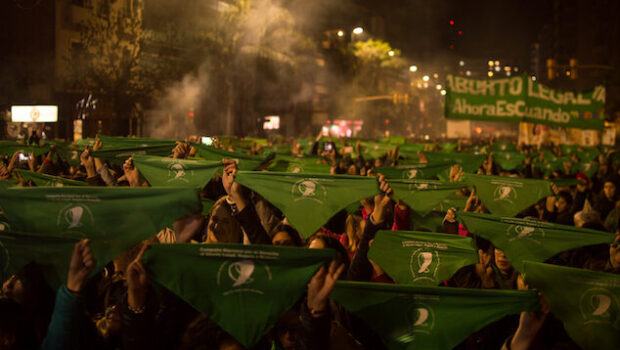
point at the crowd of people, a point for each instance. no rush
(119, 307)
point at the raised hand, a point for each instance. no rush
(132, 175)
(233, 189)
(321, 285)
(382, 201)
(137, 282)
(81, 265)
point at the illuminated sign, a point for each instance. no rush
(271, 122)
(34, 114)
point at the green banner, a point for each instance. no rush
(137, 212)
(589, 169)
(117, 156)
(421, 258)
(245, 162)
(422, 196)
(169, 172)
(40, 179)
(508, 196)
(309, 200)
(531, 240)
(520, 99)
(415, 317)
(414, 171)
(243, 288)
(587, 302)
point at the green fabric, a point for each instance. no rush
(508, 196)
(589, 169)
(531, 240)
(70, 154)
(587, 302)
(503, 147)
(421, 258)
(118, 156)
(300, 165)
(137, 213)
(207, 204)
(415, 317)
(422, 196)
(509, 160)
(309, 200)
(414, 171)
(588, 154)
(375, 149)
(8, 148)
(395, 140)
(168, 172)
(521, 99)
(432, 222)
(547, 168)
(243, 288)
(569, 149)
(245, 162)
(40, 179)
(115, 142)
(470, 162)
(448, 146)
(51, 253)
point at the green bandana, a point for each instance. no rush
(300, 165)
(118, 156)
(414, 171)
(564, 182)
(408, 317)
(448, 146)
(589, 169)
(8, 148)
(509, 160)
(508, 196)
(375, 150)
(88, 212)
(114, 142)
(40, 179)
(51, 253)
(587, 302)
(503, 147)
(421, 258)
(469, 162)
(163, 171)
(524, 240)
(422, 196)
(588, 154)
(309, 200)
(245, 162)
(243, 288)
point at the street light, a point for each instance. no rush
(413, 68)
(490, 63)
(442, 92)
(391, 53)
(340, 33)
(425, 78)
(490, 74)
(438, 86)
(358, 30)
(461, 63)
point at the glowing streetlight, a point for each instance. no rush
(438, 86)
(490, 74)
(413, 68)
(435, 75)
(497, 63)
(340, 33)
(491, 63)
(461, 63)
(425, 78)
(533, 78)
(468, 73)
(358, 30)
(442, 92)
(391, 53)
(498, 68)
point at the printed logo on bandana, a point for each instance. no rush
(177, 172)
(507, 155)
(424, 264)
(599, 305)
(587, 166)
(309, 189)
(504, 193)
(423, 318)
(5, 259)
(238, 276)
(54, 183)
(75, 217)
(4, 226)
(534, 234)
(74, 155)
(297, 169)
(412, 174)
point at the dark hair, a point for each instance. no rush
(231, 234)
(297, 240)
(330, 242)
(567, 197)
(17, 331)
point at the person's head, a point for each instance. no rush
(222, 227)
(502, 262)
(13, 289)
(287, 236)
(352, 170)
(285, 330)
(564, 201)
(609, 189)
(354, 228)
(321, 241)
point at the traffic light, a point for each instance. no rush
(551, 68)
(573, 63)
